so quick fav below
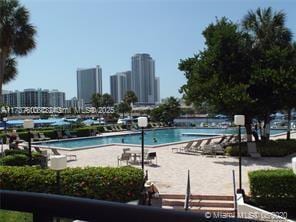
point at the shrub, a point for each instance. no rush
(100, 129)
(50, 133)
(271, 148)
(14, 152)
(275, 189)
(85, 131)
(106, 183)
(14, 160)
(21, 158)
(234, 150)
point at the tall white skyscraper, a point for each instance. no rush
(119, 85)
(89, 82)
(143, 78)
(56, 98)
(156, 90)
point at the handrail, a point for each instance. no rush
(234, 194)
(188, 193)
(46, 206)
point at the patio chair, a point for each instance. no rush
(230, 140)
(124, 157)
(183, 149)
(252, 150)
(106, 129)
(151, 156)
(126, 150)
(70, 157)
(196, 147)
(221, 140)
(119, 127)
(43, 137)
(37, 149)
(35, 136)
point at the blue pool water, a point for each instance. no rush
(152, 137)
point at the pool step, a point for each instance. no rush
(214, 204)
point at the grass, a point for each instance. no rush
(14, 216)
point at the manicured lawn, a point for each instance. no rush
(13, 216)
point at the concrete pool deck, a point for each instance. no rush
(209, 175)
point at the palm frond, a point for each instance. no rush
(10, 70)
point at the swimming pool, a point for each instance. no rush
(153, 137)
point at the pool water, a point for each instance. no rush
(152, 137)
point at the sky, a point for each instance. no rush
(75, 34)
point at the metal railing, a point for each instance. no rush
(45, 207)
(234, 194)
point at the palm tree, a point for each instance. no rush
(267, 28)
(16, 37)
(10, 70)
(130, 98)
(123, 107)
(268, 32)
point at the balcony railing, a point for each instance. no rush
(45, 207)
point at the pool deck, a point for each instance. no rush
(209, 175)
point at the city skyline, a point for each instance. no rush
(86, 33)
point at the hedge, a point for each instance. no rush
(14, 160)
(85, 131)
(275, 189)
(105, 183)
(272, 148)
(21, 158)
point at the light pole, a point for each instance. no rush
(142, 122)
(239, 120)
(29, 124)
(58, 163)
(294, 164)
(5, 120)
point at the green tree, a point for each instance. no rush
(271, 41)
(167, 111)
(130, 98)
(123, 107)
(16, 37)
(242, 71)
(97, 100)
(107, 100)
(219, 76)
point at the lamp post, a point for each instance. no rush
(294, 164)
(5, 120)
(142, 122)
(58, 163)
(239, 120)
(29, 124)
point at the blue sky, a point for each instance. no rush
(83, 33)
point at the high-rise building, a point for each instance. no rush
(118, 86)
(89, 82)
(156, 90)
(11, 98)
(128, 75)
(34, 98)
(56, 98)
(74, 103)
(143, 78)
